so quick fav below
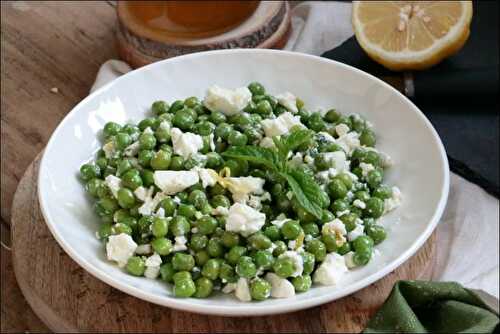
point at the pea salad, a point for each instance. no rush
(243, 191)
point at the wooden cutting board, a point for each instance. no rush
(68, 299)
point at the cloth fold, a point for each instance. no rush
(433, 307)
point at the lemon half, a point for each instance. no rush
(411, 34)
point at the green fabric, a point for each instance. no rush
(433, 307)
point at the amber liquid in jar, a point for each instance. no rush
(186, 19)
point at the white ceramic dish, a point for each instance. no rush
(421, 166)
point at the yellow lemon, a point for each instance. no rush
(411, 34)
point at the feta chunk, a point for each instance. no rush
(153, 266)
(349, 141)
(280, 125)
(280, 287)
(341, 129)
(207, 176)
(394, 201)
(244, 220)
(109, 149)
(289, 101)
(357, 232)
(143, 249)
(220, 211)
(242, 291)
(229, 287)
(349, 260)
(334, 226)
(366, 168)
(142, 193)
(185, 144)
(120, 248)
(132, 149)
(227, 101)
(331, 271)
(242, 187)
(298, 262)
(339, 160)
(267, 142)
(150, 204)
(172, 182)
(359, 203)
(325, 137)
(280, 220)
(114, 183)
(180, 244)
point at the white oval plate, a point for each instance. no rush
(420, 170)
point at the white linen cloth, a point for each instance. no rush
(468, 240)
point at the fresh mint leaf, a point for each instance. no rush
(256, 154)
(306, 191)
(296, 138)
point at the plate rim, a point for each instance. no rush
(247, 309)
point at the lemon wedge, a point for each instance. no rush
(411, 34)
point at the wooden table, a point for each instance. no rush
(44, 45)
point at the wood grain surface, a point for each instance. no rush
(68, 299)
(43, 45)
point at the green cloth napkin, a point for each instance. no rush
(433, 307)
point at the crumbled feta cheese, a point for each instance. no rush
(308, 160)
(341, 129)
(255, 202)
(297, 159)
(298, 262)
(344, 212)
(335, 225)
(180, 244)
(120, 248)
(280, 220)
(280, 125)
(207, 176)
(172, 182)
(114, 183)
(357, 232)
(198, 214)
(325, 136)
(244, 219)
(227, 101)
(185, 144)
(308, 238)
(109, 149)
(349, 141)
(353, 176)
(143, 249)
(153, 266)
(359, 203)
(148, 131)
(386, 160)
(211, 142)
(349, 260)
(242, 187)
(339, 160)
(242, 291)
(160, 213)
(132, 149)
(150, 204)
(267, 142)
(142, 193)
(280, 287)
(366, 168)
(229, 287)
(394, 201)
(331, 270)
(220, 211)
(289, 101)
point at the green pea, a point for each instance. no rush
(89, 172)
(327, 216)
(176, 163)
(371, 157)
(111, 129)
(147, 141)
(145, 157)
(179, 226)
(162, 246)
(201, 257)
(206, 225)
(220, 200)
(217, 117)
(344, 249)
(332, 116)
(382, 192)
(362, 258)
(302, 283)
(237, 139)
(144, 223)
(167, 272)
(159, 227)
(316, 124)
(346, 179)
(260, 289)
(343, 119)
(230, 239)
(204, 128)
(197, 198)
(304, 216)
(93, 186)
(124, 166)
(329, 147)
(183, 196)
(214, 247)
(186, 210)
(367, 138)
(182, 276)
(109, 171)
(211, 269)
(308, 263)
(280, 110)
(376, 232)
(362, 195)
(280, 248)
(102, 163)
(168, 206)
(374, 178)
(150, 122)
(182, 261)
(340, 205)
(234, 254)
(159, 107)
(236, 167)
(321, 163)
(136, 266)
(291, 230)
(184, 288)
(132, 179)
(337, 189)
(284, 266)
(126, 198)
(147, 177)
(317, 248)
(220, 146)
(105, 230)
(264, 108)
(263, 259)
(256, 88)
(122, 228)
(363, 243)
(198, 242)
(214, 160)
(259, 241)
(311, 228)
(374, 207)
(108, 204)
(106, 219)
(123, 140)
(223, 130)
(227, 273)
(252, 134)
(183, 120)
(204, 287)
(330, 241)
(272, 232)
(245, 267)
(177, 105)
